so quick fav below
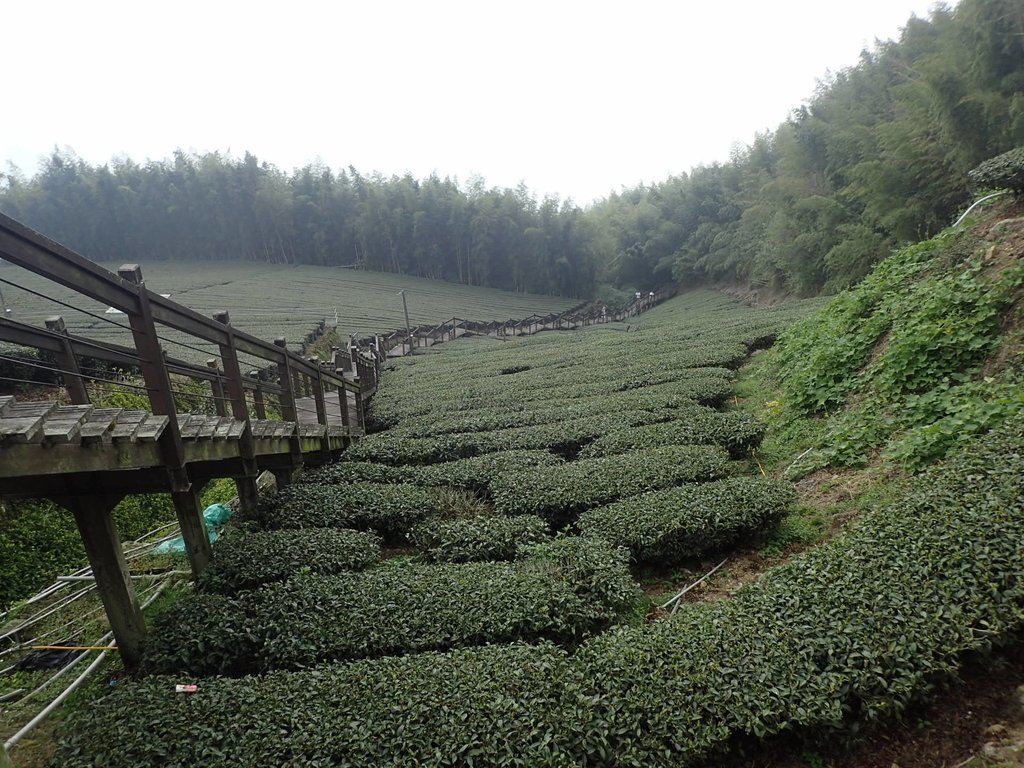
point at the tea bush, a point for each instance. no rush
(477, 538)
(497, 706)
(564, 590)
(1005, 171)
(564, 436)
(344, 472)
(736, 432)
(560, 493)
(475, 473)
(390, 510)
(852, 631)
(678, 523)
(245, 560)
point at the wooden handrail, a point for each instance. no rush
(33, 251)
(18, 333)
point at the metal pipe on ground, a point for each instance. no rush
(53, 705)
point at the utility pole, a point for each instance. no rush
(408, 327)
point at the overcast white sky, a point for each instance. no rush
(573, 98)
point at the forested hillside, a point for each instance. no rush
(876, 158)
(216, 207)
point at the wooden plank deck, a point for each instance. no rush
(41, 441)
(306, 407)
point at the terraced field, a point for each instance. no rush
(520, 484)
(275, 300)
(462, 590)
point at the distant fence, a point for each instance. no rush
(405, 341)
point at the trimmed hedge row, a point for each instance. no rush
(736, 432)
(567, 385)
(477, 538)
(395, 449)
(528, 414)
(568, 436)
(660, 396)
(1000, 172)
(245, 560)
(390, 510)
(564, 590)
(853, 630)
(472, 474)
(706, 391)
(595, 365)
(204, 634)
(475, 473)
(560, 493)
(344, 472)
(679, 523)
(497, 706)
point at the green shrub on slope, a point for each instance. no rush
(390, 510)
(563, 590)
(477, 538)
(564, 436)
(853, 630)
(474, 474)
(560, 493)
(736, 432)
(344, 472)
(498, 706)
(917, 341)
(679, 523)
(245, 560)
(1005, 171)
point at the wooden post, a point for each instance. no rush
(339, 371)
(286, 380)
(73, 380)
(161, 398)
(95, 521)
(321, 409)
(343, 404)
(360, 418)
(283, 476)
(189, 510)
(289, 412)
(248, 493)
(259, 403)
(217, 386)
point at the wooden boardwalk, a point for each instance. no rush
(49, 449)
(87, 458)
(306, 407)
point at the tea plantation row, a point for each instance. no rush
(852, 630)
(519, 480)
(563, 590)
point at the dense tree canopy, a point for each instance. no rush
(217, 207)
(878, 156)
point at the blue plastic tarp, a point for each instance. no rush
(215, 515)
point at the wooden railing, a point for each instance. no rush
(277, 415)
(91, 479)
(405, 341)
